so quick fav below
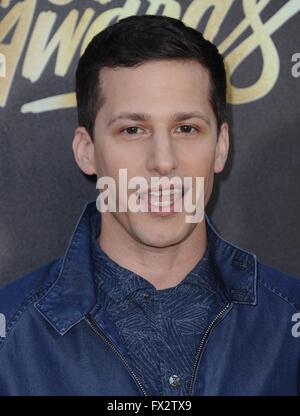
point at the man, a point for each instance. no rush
(147, 303)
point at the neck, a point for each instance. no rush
(163, 267)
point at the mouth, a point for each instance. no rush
(162, 201)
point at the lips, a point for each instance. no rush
(163, 199)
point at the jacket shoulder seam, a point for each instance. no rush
(278, 293)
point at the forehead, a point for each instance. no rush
(156, 86)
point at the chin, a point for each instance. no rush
(161, 238)
(155, 243)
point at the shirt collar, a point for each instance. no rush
(118, 282)
(73, 295)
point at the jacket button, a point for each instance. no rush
(174, 380)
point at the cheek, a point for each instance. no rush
(109, 161)
(107, 158)
(200, 162)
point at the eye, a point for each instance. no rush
(187, 128)
(130, 130)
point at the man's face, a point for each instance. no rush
(158, 146)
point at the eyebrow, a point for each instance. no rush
(181, 116)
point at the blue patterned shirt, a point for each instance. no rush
(161, 329)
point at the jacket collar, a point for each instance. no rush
(73, 294)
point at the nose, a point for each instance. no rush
(162, 159)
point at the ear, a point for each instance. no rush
(222, 148)
(83, 149)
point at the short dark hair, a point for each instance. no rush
(138, 39)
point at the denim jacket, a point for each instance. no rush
(56, 340)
